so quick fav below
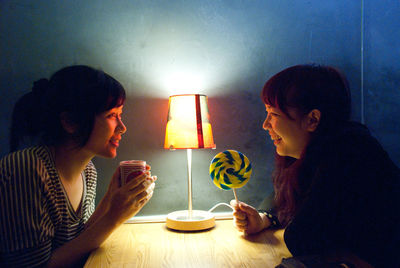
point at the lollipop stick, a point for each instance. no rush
(234, 192)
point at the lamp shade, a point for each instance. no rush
(188, 125)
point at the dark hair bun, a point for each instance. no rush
(79, 92)
(40, 87)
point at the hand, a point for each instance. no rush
(126, 201)
(247, 219)
(115, 183)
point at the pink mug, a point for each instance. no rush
(131, 169)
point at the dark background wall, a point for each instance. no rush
(382, 73)
(224, 49)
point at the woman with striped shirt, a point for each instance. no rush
(47, 192)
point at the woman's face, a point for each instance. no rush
(106, 134)
(290, 136)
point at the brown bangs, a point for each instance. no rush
(277, 91)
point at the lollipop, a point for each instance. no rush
(230, 169)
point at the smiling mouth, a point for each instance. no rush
(115, 142)
(275, 137)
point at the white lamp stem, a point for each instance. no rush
(189, 164)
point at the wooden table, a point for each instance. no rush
(153, 245)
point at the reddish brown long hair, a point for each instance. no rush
(304, 87)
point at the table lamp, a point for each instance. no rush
(188, 127)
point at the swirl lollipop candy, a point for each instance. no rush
(230, 170)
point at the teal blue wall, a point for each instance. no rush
(228, 49)
(382, 73)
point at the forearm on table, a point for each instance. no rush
(90, 239)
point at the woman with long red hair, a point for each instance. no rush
(335, 188)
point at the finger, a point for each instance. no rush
(247, 209)
(149, 194)
(147, 183)
(242, 223)
(133, 175)
(146, 199)
(140, 197)
(137, 181)
(240, 226)
(151, 188)
(143, 202)
(141, 189)
(234, 204)
(240, 215)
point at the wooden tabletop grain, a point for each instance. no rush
(154, 245)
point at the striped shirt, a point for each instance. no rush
(36, 216)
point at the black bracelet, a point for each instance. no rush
(272, 218)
